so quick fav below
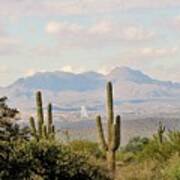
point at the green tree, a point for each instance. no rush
(9, 129)
(10, 134)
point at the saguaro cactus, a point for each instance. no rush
(114, 125)
(43, 130)
(40, 115)
(161, 130)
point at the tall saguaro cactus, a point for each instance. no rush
(114, 125)
(40, 115)
(44, 130)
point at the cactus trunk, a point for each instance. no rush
(110, 113)
(111, 159)
(33, 126)
(49, 118)
(40, 115)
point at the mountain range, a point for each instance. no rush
(64, 81)
(133, 91)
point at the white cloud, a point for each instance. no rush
(90, 7)
(76, 7)
(8, 44)
(137, 33)
(155, 52)
(32, 71)
(175, 23)
(45, 50)
(54, 27)
(6, 40)
(106, 69)
(100, 33)
(3, 69)
(103, 27)
(66, 68)
(71, 69)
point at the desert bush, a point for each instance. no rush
(136, 144)
(172, 169)
(128, 153)
(155, 161)
(147, 170)
(87, 148)
(162, 151)
(49, 160)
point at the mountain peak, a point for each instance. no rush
(123, 69)
(127, 74)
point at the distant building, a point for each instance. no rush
(84, 112)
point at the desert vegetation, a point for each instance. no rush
(34, 152)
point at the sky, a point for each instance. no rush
(86, 35)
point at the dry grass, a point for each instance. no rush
(148, 170)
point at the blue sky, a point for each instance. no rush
(82, 35)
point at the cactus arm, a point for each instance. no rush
(118, 130)
(33, 126)
(101, 133)
(110, 113)
(39, 105)
(53, 131)
(116, 136)
(45, 134)
(49, 118)
(40, 128)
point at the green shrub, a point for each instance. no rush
(136, 144)
(49, 160)
(157, 160)
(87, 148)
(162, 151)
(172, 170)
(14, 160)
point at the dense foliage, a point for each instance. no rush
(10, 135)
(88, 148)
(154, 160)
(9, 129)
(22, 157)
(48, 160)
(136, 144)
